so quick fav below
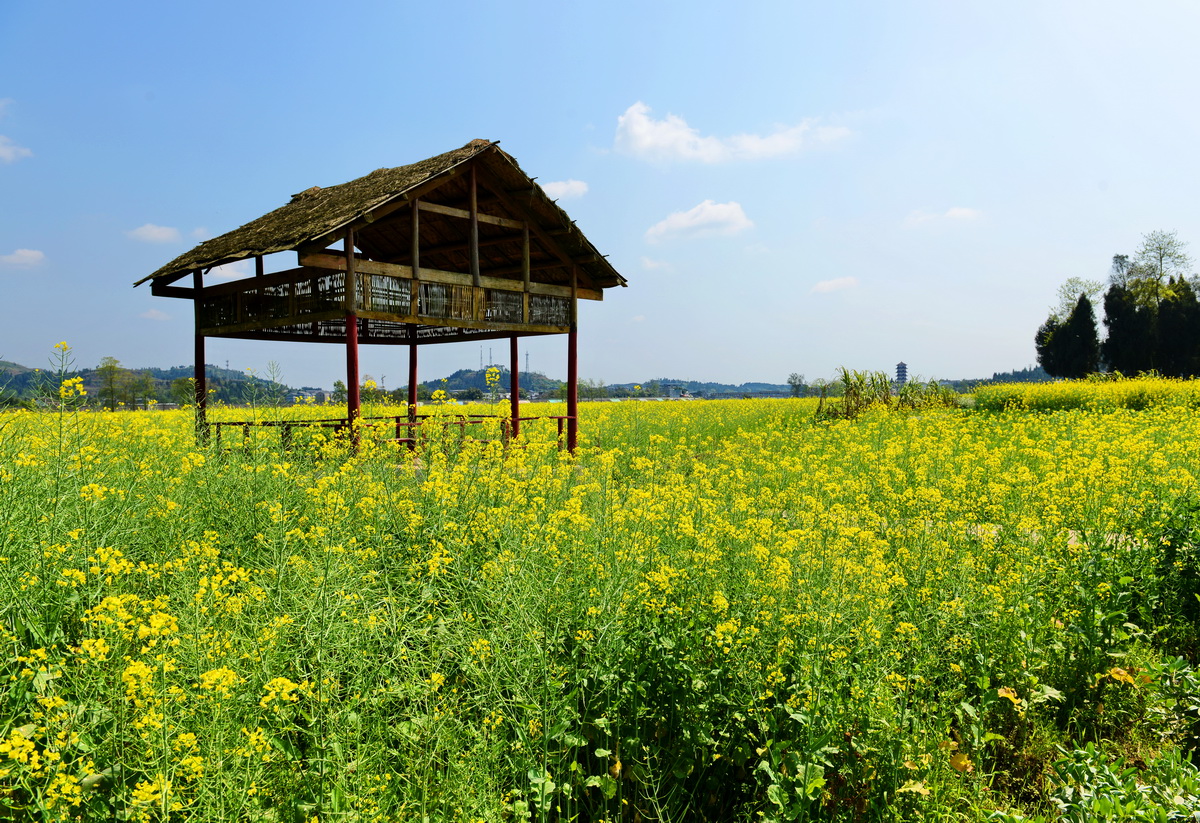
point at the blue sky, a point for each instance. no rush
(787, 186)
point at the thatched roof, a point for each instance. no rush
(315, 214)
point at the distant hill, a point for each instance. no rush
(11, 368)
(698, 388)
(135, 386)
(465, 379)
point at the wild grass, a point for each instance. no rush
(715, 611)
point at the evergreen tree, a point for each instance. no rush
(1047, 350)
(1080, 353)
(1070, 348)
(1128, 348)
(1179, 330)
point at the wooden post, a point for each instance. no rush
(474, 230)
(573, 367)
(353, 400)
(514, 373)
(412, 378)
(201, 384)
(415, 283)
(478, 299)
(525, 274)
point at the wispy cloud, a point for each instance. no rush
(200, 233)
(650, 264)
(238, 268)
(957, 214)
(150, 233)
(706, 219)
(565, 189)
(155, 314)
(671, 138)
(22, 257)
(836, 284)
(10, 152)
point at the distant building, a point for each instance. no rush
(901, 373)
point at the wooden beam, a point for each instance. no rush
(451, 335)
(390, 206)
(278, 278)
(496, 188)
(234, 329)
(333, 262)
(490, 219)
(172, 291)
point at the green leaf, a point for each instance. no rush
(777, 794)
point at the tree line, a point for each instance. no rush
(1151, 316)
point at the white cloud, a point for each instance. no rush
(836, 284)
(155, 314)
(708, 218)
(200, 233)
(230, 271)
(671, 138)
(10, 151)
(150, 233)
(962, 213)
(649, 264)
(22, 257)
(565, 189)
(957, 214)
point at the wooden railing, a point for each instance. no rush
(406, 429)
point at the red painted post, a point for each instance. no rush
(573, 366)
(514, 371)
(412, 392)
(412, 382)
(572, 388)
(201, 386)
(353, 398)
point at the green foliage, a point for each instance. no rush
(859, 391)
(1070, 347)
(1094, 787)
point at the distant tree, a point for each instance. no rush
(1127, 346)
(370, 392)
(796, 383)
(1119, 273)
(1082, 340)
(109, 374)
(1068, 295)
(183, 390)
(1070, 348)
(340, 392)
(1161, 257)
(1178, 336)
(1047, 349)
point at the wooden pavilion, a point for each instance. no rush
(462, 246)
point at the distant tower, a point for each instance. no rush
(901, 374)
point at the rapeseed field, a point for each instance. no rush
(714, 611)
